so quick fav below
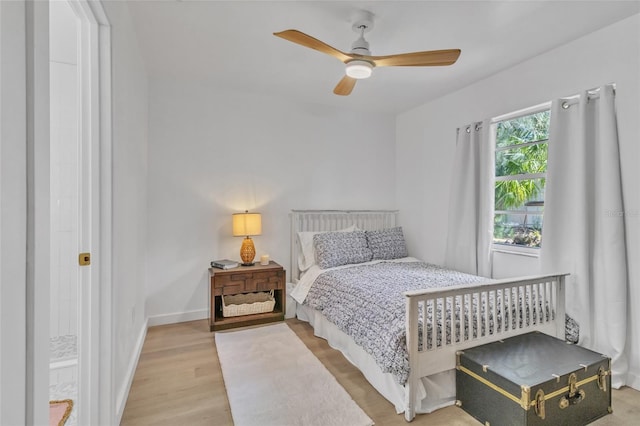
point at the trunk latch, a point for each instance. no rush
(575, 395)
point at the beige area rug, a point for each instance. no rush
(272, 378)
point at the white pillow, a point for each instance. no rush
(307, 255)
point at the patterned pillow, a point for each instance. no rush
(307, 254)
(341, 248)
(387, 243)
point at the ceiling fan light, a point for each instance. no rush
(359, 69)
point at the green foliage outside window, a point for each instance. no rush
(517, 155)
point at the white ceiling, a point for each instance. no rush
(229, 44)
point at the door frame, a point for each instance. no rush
(95, 366)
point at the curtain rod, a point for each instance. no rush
(477, 127)
(593, 93)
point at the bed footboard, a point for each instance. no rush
(442, 321)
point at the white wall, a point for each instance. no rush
(506, 264)
(426, 139)
(129, 190)
(13, 214)
(213, 153)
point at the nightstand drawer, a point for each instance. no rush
(248, 282)
(229, 284)
(262, 281)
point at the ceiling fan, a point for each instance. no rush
(359, 63)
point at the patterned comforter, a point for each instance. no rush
(367, 303)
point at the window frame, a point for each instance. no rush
(514, 248)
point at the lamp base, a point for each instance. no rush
(248, 264)
(247, 252)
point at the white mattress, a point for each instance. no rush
(434, 392)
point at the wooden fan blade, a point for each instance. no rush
(305, 40)
(345, 86)
(418, 59)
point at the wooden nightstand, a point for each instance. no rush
(246, 279)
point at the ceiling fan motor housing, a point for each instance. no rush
(361, 47)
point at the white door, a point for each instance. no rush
(74, 193)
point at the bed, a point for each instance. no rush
(406, 346)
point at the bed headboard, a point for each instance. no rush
(333, 220)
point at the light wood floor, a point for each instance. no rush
(179, 382)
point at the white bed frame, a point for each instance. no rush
(534, 293)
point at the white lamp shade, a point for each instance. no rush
(246, 224)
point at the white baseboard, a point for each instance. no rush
(177, 317)
(123, 393)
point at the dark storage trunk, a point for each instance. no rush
(533, 379)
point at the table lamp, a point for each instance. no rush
(244, 225)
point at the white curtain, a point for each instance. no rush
(583, 230)
(470, 229)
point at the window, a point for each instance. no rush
(520, 176)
